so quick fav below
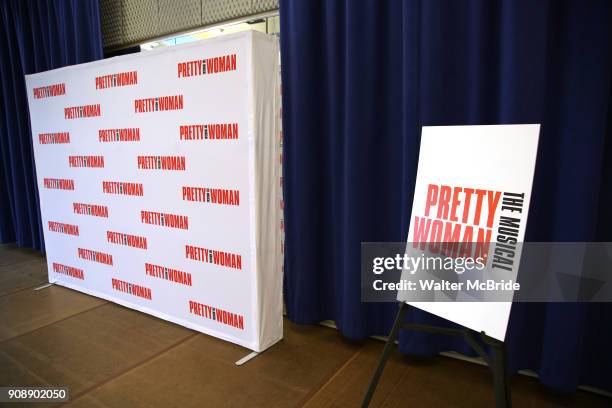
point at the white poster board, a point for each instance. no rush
(469, 177)
(158, 181)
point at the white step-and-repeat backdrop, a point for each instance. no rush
(158, 176)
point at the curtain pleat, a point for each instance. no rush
(360, 79)
(35, 36)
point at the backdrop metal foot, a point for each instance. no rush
(46, 285)
(246, 358)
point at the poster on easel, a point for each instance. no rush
(471, 202)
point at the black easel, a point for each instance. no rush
(496, 359)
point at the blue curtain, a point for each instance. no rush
(35, 36)
(360, 78)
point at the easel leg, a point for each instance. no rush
(399, 320)
(503, 398)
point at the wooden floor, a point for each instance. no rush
(111, 356)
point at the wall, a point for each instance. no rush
(130, 22)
